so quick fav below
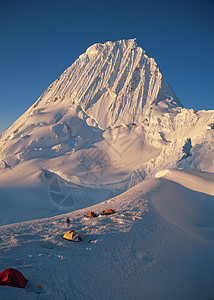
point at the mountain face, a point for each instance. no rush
(89, 143)
(110, 118)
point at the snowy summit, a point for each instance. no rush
(110, 133)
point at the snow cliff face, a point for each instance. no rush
(112, 83)
(111, 116)
(108, 123)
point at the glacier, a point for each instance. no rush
(107, 123)
(109, 133)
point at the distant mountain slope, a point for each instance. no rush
(107, 123)
(110, 85)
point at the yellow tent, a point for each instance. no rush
(72, 235)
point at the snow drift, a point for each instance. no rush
(107, 123)
(109, 133)
(158, 245)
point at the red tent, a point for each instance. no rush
(12, 277)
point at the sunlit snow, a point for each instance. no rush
(109, 133)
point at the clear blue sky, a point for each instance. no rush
(41, 38)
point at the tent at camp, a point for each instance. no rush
(72, 235)
(12, 277)
(108, 212)
(91, 214)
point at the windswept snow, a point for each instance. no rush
(109, 133)
(158, 245)
(201, 182)
(111, 121)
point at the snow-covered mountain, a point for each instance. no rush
(109, 133)
(108, 122)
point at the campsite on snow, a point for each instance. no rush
(107, 187)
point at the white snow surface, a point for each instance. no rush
(158, 245)
(109, 133)
(107, 123)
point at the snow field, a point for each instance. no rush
(109, 133)
(158, 245)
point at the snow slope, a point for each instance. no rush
(158, 245)
(107, 123)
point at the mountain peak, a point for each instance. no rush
(107, 123)
(111, 81)
(99, 48)
(111, 85)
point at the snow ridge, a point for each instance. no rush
(95, 140)
(111, 119)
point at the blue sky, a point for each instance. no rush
(41, 38)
